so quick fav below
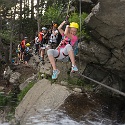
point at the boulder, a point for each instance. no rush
(14, 77)
(106, 24)
(41, 97)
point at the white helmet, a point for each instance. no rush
(44, 28)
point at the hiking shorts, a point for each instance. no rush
(22, 50)
(60, 54)
(43, 46)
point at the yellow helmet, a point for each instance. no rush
(74, 25)
(28, 44)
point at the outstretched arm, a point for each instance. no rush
(60, 27)
(66, 32)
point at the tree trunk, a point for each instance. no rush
(20, 26)
(24, 8)
(38, 20)
(11, 37)
(0, 26)
(32, 9)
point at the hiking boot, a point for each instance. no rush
(55, 74)
(74, 69)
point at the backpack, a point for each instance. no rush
(75, 47)
(59, 38)
(23, 44)
(18, 48)
(40, 36)
(36, 40)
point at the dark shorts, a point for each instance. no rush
(26, 57)
(22, 49)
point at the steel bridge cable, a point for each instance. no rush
(80, 22)
(106, 86)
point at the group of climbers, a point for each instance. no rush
(47, 39)
(23, 51)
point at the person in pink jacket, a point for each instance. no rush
(65, 48)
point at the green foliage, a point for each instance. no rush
(5, 34)
(52, 14)
(29, 27)
(8, 3)
(75, 17)
(3, 100)
(75, 81)
(25, 90)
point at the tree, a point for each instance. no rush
(37, 16)
(32, 9)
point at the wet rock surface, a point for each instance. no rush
(41, 97)
(91, 107)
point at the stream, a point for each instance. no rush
(83, 109)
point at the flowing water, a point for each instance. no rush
(49, 117)
(83, 109)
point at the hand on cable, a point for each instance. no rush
(66, 19)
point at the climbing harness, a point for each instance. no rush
(64, 42)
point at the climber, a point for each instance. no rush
(43, 43)
(26, 53)
(18, 51)
(23, 43)
(65, 48)
(53, 36)
(36, 44)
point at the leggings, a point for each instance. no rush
(62, 54)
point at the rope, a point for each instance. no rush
(68, 8)
(80, 26)
(108, 87)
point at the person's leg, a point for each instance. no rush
(68, 50)
(37, 48)
(43, 53)
(22, 54)
(51, 54)
(39, 51)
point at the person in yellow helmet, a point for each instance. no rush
(28, 44)
(26, 53)
(65, 47)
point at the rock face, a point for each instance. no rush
(107, 27)
(42, 96)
